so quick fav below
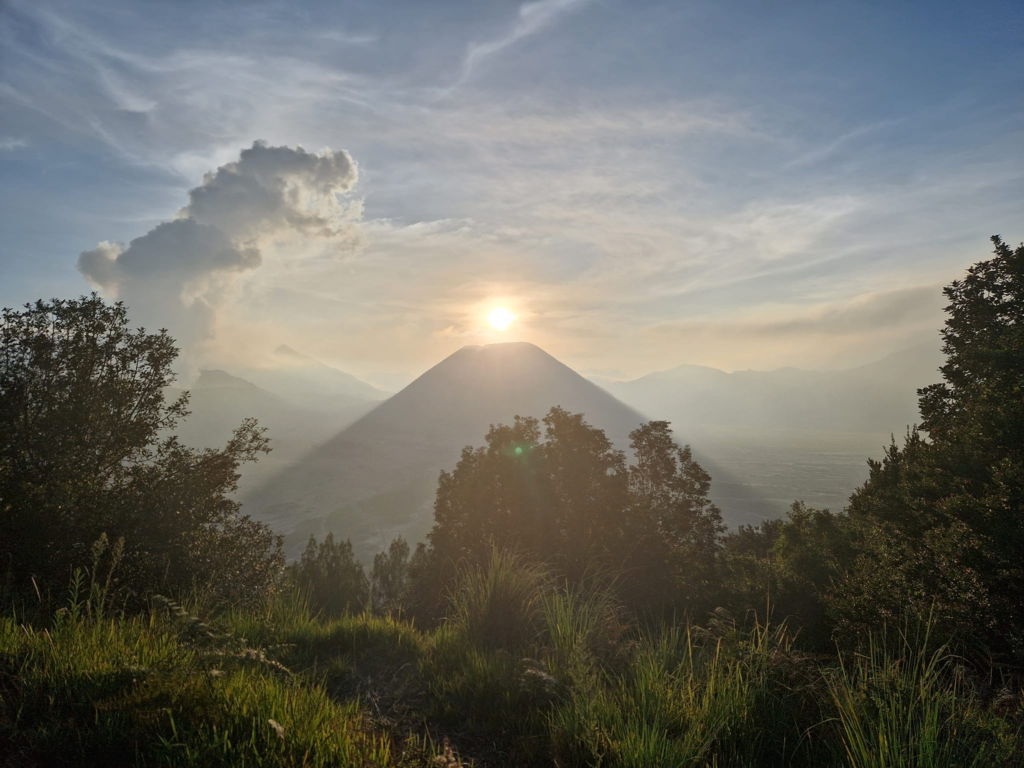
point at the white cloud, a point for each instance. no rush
(177, 274)
(533, 18)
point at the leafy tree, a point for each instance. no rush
(941, 520)
(676, 527)
(84, 451)
(572, 501)
(330, 575)
(494, 492)
(562, 499)
(788, 568)
(389, 577)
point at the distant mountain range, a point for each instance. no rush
(376, 479)
(302, 403)
(880, 397)
(351, 460)
(302, 379)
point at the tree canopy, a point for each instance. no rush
(571, 500)
(86, 448)
(941, 519)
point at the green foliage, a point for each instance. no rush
(389, 579)
(674, 527)
(92, 600)
(786, 568)
(329, 574)
(497, 604)
(83, 452)
(278, 685)
(571, 502)
(135, 691)
(688, 698)
(911, 706)
(940, 520)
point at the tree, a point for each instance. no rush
(787, 568)
(329, 574)
(85, 450)
(941, 520)
(676, 528)
(571, 501)
(560, 500)
(389, 577)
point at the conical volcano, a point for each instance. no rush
(376, 478)
(456, 401)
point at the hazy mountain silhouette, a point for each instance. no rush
(879, 397)
(305, 381)
(455, 401)
(377, 477)
(219, 401)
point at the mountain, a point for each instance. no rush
(777, 436)
(879, 397)
(455, 401)
(219, 401)
(766, 437)
(303, 380)
(376, 479)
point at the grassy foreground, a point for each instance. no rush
(525, 672)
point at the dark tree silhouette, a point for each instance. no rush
(942, 518)
(84, 450)
(570, 500)
(331, 577)
(389, 577)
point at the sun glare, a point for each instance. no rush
(501, 318)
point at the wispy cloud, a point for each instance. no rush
(625, 181)
(8, 144)
(534, 17)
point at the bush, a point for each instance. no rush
(85, 451)
(331, 577)
(911, 705)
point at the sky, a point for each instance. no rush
(643, 184)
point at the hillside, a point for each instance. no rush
(878, 397)
(376, 479)
(219, 401)
(303, 380)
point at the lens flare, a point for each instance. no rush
(501, 318)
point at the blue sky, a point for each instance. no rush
(739, 184)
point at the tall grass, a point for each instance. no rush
(527, 670)
(168, 689)
(910, 706)
(685, 699)
(540, 671)
(498, 604)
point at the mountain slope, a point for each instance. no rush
(879, 397)
(299, 378)
(455, 401)
(219, 401)
(377, 478)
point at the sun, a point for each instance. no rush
(501, 318)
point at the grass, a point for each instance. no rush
(912, 706)
(146, 691)
(526, 671)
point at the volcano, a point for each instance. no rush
(376, 478)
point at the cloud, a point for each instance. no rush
(533, 17)
(9, 144)
(913, 307)
(834, 333)
(177, 274)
